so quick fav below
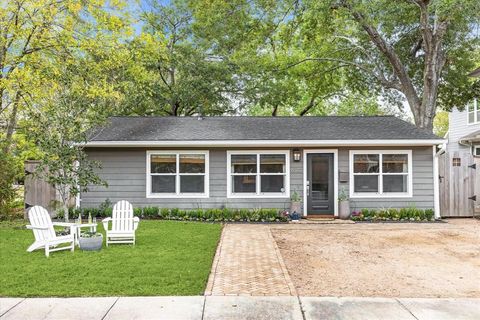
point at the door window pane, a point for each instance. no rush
(365, 163)
(320, 178)
(271, 183)
(192, 184)
(163, 184)
(245, 163)
(244, 184)
(396, 183)
(272, 163)
(367, 183)
(192, 163)
(395, 163)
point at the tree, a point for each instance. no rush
(35, 35)
(418, 51)
(62, 127)
(38, 40)
(171, 73)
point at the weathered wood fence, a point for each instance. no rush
(459, 177)
(37, 191)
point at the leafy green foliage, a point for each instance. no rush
(174, 258)
(208, 215)
(403, 214)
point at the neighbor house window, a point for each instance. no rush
(177, 174)
(258, 173)
(380, 173)
(473, 112)
(476, 150)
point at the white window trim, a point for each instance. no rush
(475, 109)
(475, 147)
(380, 194)
(258, 194)
(177, 175)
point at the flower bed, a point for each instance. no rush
(210, 215)
(404, 214)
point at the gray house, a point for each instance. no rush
(252, 162)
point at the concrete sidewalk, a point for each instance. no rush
(238, 307)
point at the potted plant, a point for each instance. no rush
(90, 241)
(295, 206)
(343, 205)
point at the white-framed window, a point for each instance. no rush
(380, 173)
(473, 113)
(476, 150)
(258, 174)
(177, 174)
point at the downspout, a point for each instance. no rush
(436, 184)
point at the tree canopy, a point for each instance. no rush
(66, 65)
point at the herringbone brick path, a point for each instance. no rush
(248, 262)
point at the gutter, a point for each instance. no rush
(265, 143)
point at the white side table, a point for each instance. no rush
(77, 227)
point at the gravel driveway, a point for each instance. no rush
(383, 260)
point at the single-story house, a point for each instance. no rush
(258, 162)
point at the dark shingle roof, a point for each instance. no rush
(258, 128)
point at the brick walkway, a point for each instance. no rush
(248, 262)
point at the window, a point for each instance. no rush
(258, 174)
(177, 174)
(456, 162)
(381, 173)
(473, 112)
(476, 150)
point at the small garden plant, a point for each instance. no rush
(207, 215)
(403, 214)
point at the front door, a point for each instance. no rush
(320, 184)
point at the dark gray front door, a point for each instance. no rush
(320, 184)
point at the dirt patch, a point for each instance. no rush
(387, 260)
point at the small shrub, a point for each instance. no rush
(429, 214)
(105, 205)
(150, 212)
(137, 212)
(403, 214)
(164, 212)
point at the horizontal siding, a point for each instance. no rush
(458, 127)
(422, 181)
(124, 171)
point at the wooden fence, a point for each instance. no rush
(37, 191)
(459, 179)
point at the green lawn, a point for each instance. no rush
(170, 258)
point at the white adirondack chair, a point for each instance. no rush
(123, 224)
(45, 236)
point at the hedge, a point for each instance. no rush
(212, 215)
(404, 214)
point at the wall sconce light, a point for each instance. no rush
(296, 155)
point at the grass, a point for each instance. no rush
(170, 258)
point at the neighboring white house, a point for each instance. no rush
(464, 129)
(464, 126)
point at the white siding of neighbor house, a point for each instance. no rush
(124, 169)
(458, 127)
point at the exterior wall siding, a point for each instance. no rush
(423, 197)
(124, 169)
(458, 127)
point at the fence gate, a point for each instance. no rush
(459, 184)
